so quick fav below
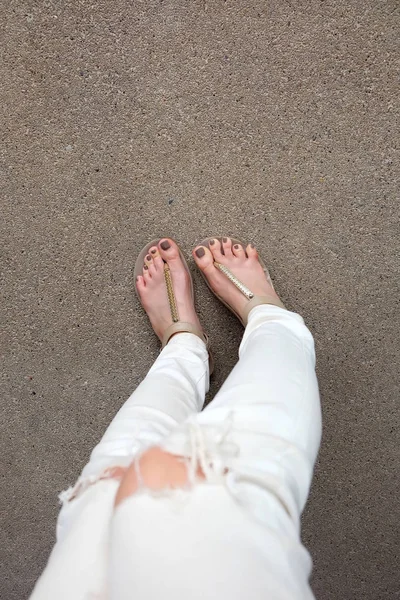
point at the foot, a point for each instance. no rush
(153, 290)
(243, 262)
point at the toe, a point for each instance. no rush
(251, 251)
(148, 260)
(168, 249)
(158, 261)
(227, 246)
(238, 251)
(152, 269)
(140, 283)
(146, 274)
(215, 249)
(153, 251)
(203, 258)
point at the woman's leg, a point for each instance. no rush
(175, 386)
(271, 396)
(173, 390)
(272, 399)
(256, 445)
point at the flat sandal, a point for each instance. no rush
(177, 325)
(253, 300)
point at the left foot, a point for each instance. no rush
(153, 290)
(243, 263)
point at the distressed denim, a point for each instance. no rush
(234, 534)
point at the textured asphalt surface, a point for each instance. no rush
(273, 121)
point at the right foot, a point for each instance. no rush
(153, 291)
(244, 264)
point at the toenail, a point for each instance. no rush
(145, 267)
(252, 245)
(224, 240)
(165, 245)
(212, 242)
(236, 246)
(153, 251)
(200, 252)
(148, 257)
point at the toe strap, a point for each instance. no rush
(182, 327)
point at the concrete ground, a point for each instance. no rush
(274, 121)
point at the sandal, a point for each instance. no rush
(253, 300)
(177, 326)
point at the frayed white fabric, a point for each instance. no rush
(234, 535)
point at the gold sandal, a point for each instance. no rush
(253, 300)
(177, 325)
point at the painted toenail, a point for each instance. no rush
(145, 267)
(252, 245)
(165, 245)
(153, 251)
(148, 257)
(236, 246)
(200, 252)
(212, 242)
(224, 240)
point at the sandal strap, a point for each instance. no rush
(182, 327)
(177, 325)
(253, 300)
(171, 294)
(240, 286)
(258, 301)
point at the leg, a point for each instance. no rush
(176, 384)
(255, 447)
(272, 394)
(173, 390)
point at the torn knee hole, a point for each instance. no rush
(155, 470)
(110, 473)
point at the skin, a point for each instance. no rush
(158, 469)
(153, 292)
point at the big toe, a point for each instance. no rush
(168, 249)
(203, 258)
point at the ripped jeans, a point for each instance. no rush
(236, 533)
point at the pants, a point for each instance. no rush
(236, 533)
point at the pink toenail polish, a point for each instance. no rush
(200, 252)
(165, 245)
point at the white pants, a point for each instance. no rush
(235, 535)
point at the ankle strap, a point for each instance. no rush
(182, 327)
(257, 301)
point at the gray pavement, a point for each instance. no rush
(273, 121)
